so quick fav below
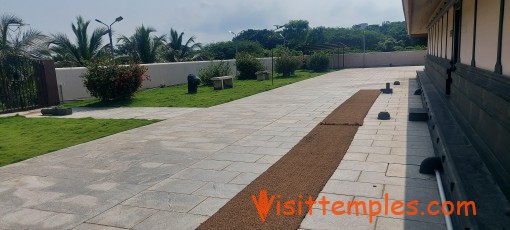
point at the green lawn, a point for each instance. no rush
(177, 96)
(23, 138)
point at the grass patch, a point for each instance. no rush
(177, 96)
(23, 138)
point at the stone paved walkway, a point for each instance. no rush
(161, 113)
(176, 173)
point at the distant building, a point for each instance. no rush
(468, 62)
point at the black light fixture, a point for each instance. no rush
(118, 19)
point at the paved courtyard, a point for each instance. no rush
(176, 173)
(161, 113)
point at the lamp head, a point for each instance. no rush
(118, 19)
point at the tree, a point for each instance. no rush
(227, 50)
(83, 50)
(141, 46)
(316, 36)
(29, 43)
(219, 51)
(295, 32)
(267, 38)
(181, 52)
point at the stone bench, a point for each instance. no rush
(223, 82)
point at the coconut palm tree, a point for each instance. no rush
(177, 51)
(141, 45)
(84, 49)
(30, 42)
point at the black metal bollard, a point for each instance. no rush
(387, 90)
(193, 82)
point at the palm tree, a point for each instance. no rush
(84, 49)
(141, 45)
(29, 43)
(181, 52)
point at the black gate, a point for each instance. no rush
(24, 84)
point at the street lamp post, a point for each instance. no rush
(284, 40)
(363, 26)
(118, 19)
(235, 36)
(272, 53)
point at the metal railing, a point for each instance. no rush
(24, 84)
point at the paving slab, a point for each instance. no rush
(184, 166)
(160, 113)
(386, 156)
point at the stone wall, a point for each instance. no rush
(166, 74)
(483, 99)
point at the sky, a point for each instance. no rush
(208, 20)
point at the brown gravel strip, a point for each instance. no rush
(304, 170)
(353, 110)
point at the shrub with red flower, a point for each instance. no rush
(106, 80)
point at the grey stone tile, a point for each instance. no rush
(405, 193)
(353, 188)
(118, 193)
(410, 171)
(164, 168)
(259, 144)
(378, 177)
(206, 146)
(171, 220)
(291, 139)
(359, 142)
(330, 221)
(86, 205)
(26, 198)
(347, 175)
(241, 157)
(271, 151)
(412, 152)
(122, 216)
(240, 149)
(287, 145)
(23, 218)
(247, 167)
(86, 226)
(6, 176)
(89, 175)
(211, 164)
(29, 182)
(209, 206)
(244, 178)
(137, 177)
(206, 175)
(395, 159)
(420, 216)
(350, 156)
(363, 166)
(269, 159)
(400, 224)
(219, 190)
(332, 198)
(62, 221)
(369, 149)
(165, 201)
(178, 186)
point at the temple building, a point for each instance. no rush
(466, 88)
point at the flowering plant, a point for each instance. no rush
(106, 80)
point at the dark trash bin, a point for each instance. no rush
(193, 83)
